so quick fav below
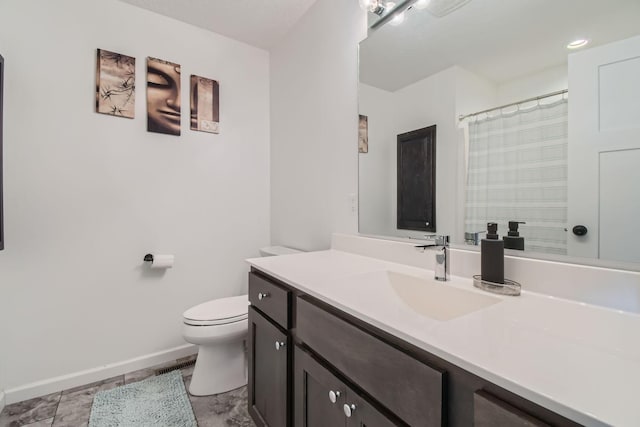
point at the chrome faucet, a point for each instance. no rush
(473, 238)
(441, 243)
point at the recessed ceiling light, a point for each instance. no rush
(576, 44)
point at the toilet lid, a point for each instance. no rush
(218, 311)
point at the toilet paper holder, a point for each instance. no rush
(159, 260)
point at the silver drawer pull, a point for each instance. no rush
(280, 344)
(262, 296)
(348, 409)
(333, 396)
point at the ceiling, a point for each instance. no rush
(258, 23)
(499, 40)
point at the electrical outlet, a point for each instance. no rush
(353, 202)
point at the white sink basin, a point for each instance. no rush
(437, 300)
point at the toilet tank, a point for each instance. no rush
(277, 250)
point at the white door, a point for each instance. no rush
(604, 151)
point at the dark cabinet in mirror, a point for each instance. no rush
(417, 180)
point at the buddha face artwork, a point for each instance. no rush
(163, 96)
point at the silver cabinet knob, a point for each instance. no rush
(333, 396)
(280, 344)
(348, 409)
(262, 295)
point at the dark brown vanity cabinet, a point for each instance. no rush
(324, 400)
(269, 353)
(312, 365)
(410, 389)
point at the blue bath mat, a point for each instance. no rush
(156, 401)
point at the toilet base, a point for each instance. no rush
(219, 368)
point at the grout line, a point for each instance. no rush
(55, 414)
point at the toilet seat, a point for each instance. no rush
(214, 322)
(218, 312)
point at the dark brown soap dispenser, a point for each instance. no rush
(514, 240)
(492, 255)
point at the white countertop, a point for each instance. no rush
(578, 360)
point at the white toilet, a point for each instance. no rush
(219, 327)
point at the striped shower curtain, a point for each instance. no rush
(517, 171)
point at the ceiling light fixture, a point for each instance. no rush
(387, 11)
(395, 13)
(373, 6)
(398, 17)
(576, 44)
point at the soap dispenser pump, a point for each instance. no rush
(492, 255)
(514, 240)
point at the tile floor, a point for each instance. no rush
(71, 408)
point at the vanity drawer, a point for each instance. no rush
(489, 411)
(269, 298)
(404, 385)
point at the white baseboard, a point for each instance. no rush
(2, 400)
(64, 382)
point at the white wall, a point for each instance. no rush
(532, 85)
(438, 99)
(87, 195)
(474, 93)
(375, 171)
(432, 102)
(314, 126)
(3, 382)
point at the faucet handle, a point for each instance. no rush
(439, 240)
(473, 237)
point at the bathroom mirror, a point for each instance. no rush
(528, 129)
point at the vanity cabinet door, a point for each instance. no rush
(408, 388)
(268, 372)
(489, 411)
(364, 414)
(319, 396)
(322, 400)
